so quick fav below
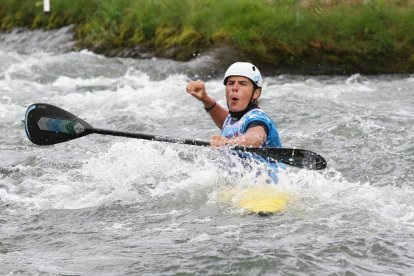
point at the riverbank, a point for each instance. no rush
(306, 37)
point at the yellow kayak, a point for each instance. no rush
(260, 199)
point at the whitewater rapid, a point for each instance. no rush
(110, 205)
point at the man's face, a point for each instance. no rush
(239, 92)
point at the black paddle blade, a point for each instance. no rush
(46, 124)
(295, 157)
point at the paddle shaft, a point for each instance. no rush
(148, 137)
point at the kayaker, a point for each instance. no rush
(244, 123)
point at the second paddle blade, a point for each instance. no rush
(46, 124)
(295, 157)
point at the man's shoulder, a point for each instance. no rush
(257, 114)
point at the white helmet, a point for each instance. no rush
(244, 69)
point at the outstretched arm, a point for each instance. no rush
(254, 137)
(197, 89)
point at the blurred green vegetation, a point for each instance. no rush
(353, 34)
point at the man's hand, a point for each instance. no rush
(218, 141)
(197, 89)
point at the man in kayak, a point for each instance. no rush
(244, 123)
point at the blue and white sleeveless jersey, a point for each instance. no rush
(255, 117)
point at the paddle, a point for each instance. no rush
(46, 124)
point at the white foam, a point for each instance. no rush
(386, 204)
(64, 82)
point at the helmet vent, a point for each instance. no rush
(254, 68)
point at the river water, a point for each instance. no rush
(102, 205)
